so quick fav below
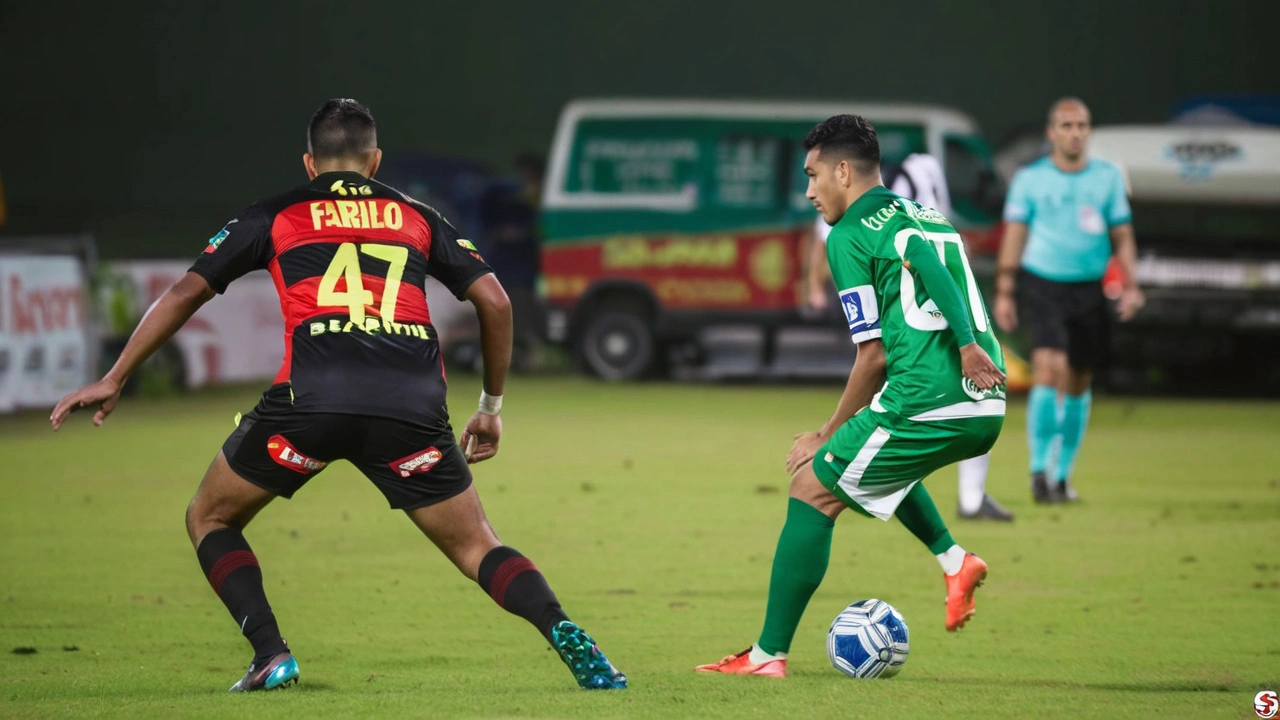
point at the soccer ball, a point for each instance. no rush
(868, 640)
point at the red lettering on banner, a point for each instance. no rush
(45, 309)
(213, 364)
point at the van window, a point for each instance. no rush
(748, 170)
(633, 156)
(729, 165)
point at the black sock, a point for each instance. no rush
(515, 583)
(232, 569)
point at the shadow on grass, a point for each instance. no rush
(303, 687)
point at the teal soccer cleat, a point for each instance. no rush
(280, 671)
(589, 666)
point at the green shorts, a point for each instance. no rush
(871, 463)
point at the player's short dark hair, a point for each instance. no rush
(1063, 101)
(846, 137)
(341, 128)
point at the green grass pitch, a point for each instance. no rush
(653, 510)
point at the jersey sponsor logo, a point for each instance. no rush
(922, 213)
(216, 240)
(344, 189)
(285, 454)
(876, 220)
(418, 463)
(356, 214)
(370, 326)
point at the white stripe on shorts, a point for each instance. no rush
(880, 501)
(853, 472)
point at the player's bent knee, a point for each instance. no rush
(224, 499)
(204, 516)
(806, 488)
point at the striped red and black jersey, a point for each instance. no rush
(350, 257)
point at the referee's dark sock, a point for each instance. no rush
(232, 569)
(515, 583)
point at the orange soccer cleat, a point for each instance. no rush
(960, 587)
(740, 664)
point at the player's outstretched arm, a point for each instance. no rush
(866, 377)
(483, 431)
(162, 320)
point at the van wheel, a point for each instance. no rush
(617, 342)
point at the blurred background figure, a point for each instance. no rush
(920, 177)
(510, 243)
(1067, 214)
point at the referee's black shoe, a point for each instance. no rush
(988, 510)
(1064, 493)
(1040, 490)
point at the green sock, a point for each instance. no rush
(800, 562)
(918, 514)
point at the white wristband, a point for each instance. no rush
(490, 404)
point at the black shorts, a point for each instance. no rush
(279, 450)
(1070, 316)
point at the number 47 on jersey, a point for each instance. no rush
(355, 298)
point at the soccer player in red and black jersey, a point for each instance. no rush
(362, 380)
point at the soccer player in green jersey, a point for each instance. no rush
(924, 392)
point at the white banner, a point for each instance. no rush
(43, 341)
(235, 337)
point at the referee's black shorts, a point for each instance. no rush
(1069, 316)
(279, 450)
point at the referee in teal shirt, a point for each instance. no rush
(1066, 215)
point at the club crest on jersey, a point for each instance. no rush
(417, 463)
(971, 389)
(216, 240)
(285, 454)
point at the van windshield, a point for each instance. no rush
(724, 162)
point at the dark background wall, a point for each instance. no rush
(150, 123)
